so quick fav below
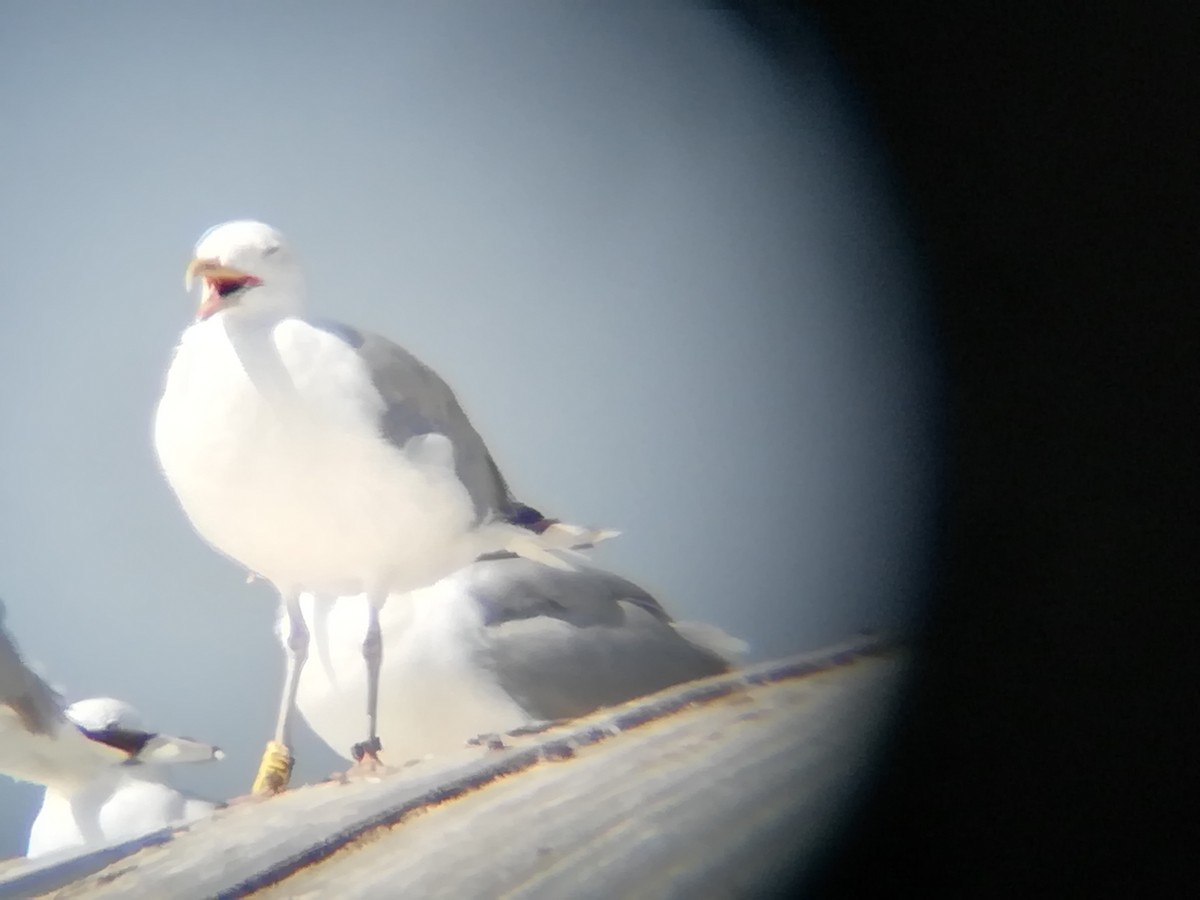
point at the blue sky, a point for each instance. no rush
(670, 286)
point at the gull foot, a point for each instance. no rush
(366, 758)
(367, 750)
(275, 770)
(490, 740)
(493, 741)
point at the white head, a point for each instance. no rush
(113, 723)
(247, 270)
(104, 714)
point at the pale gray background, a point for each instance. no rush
(668, 283)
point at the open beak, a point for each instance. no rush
(221, 284)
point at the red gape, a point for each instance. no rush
(217, 289)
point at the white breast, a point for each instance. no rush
(276, 457)
(117, 805)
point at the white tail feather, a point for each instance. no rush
(558, 537)
(560, 534)
(528, 547)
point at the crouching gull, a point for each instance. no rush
(325, 459)
(99, 767)
(498, 646)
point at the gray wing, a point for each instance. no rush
(565, 643)
(419, 402)
(36, 704)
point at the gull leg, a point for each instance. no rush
(296, 656)
(366, 753)
(275, 769)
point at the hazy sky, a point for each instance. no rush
(665, 278)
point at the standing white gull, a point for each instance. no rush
(325, 459)
(500, 645)
(116, 802)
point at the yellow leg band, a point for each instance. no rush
(274, 771)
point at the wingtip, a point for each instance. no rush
(37, 714)
(527, 546)
(578, 534)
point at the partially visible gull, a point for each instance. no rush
(325, 459)
(500, 645)
(117, 802)
(99, 767)
(23, 695)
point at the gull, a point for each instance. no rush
(116, 802)
(26, 702)
(100, 769)
(325, 459)
(502, 645)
